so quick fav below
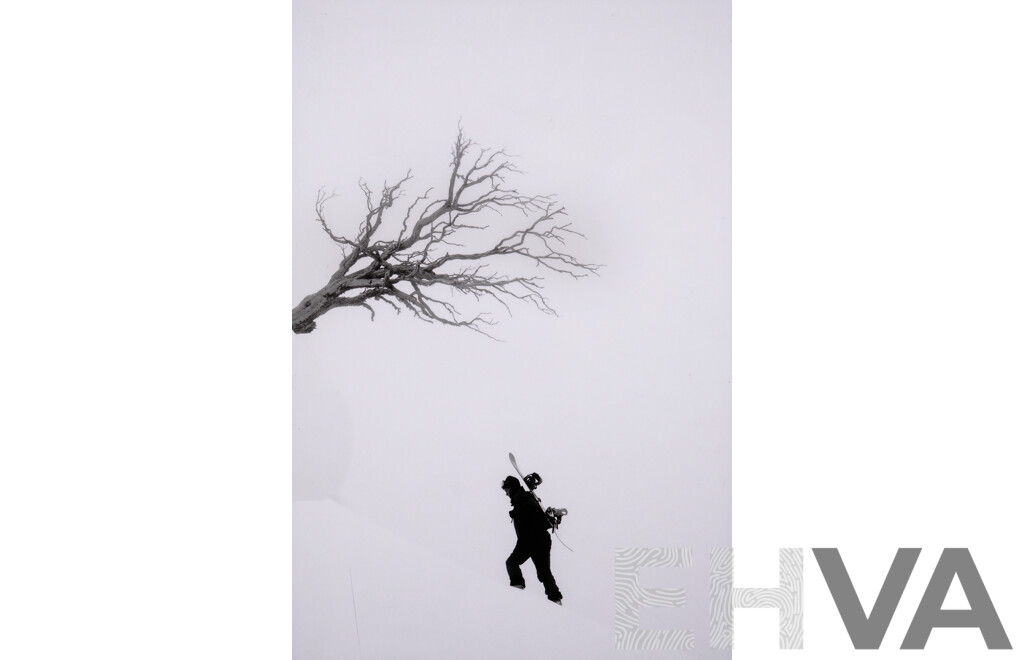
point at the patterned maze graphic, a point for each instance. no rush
(629, 598)
(787, 598)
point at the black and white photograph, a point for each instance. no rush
(511, 351)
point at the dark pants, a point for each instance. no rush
(539, 550)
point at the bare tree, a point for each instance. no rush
(442, 251)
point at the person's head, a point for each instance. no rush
(510, 484)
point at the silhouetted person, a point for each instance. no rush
(532, 539)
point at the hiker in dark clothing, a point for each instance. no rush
(532, 539)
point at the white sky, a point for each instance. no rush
(622, 403)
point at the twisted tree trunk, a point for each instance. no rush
(372, 283)
(311, 308)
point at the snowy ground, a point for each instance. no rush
(362, 591)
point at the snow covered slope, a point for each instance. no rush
(376, 594)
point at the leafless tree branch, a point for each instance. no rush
(430, 250)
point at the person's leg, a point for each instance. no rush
(541, 556)
(519, 555)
